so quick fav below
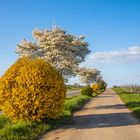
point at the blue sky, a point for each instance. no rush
(111, 27)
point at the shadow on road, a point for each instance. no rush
(104, 96)
(117, 106)
(101, 120)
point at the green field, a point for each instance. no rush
(131, 100)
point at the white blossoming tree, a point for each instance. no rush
(88, 75)
(63, 50)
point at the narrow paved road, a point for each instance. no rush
(103, 118)
(72, 93)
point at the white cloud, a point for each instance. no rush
(124, 56)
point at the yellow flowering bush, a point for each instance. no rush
(32, 89)
(95, 87)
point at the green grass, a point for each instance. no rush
(21, 130)
(75, 103)
(32, 130)
(131, 100)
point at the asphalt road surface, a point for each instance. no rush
(72, 93)
(103, 118)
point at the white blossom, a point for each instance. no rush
(88, 75)
(63, 50)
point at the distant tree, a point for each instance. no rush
(88, 75)
(102, 84)
(63, 50)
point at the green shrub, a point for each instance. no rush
(32, 89)
(87, 91)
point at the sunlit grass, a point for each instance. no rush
(131, 100)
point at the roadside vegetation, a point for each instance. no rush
(30, 130)
(130, 98)
(33, 90)
(22, 130)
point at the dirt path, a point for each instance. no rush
(103, 118)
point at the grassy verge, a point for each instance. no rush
(75, 103)
(31, 130)
(131, 100)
